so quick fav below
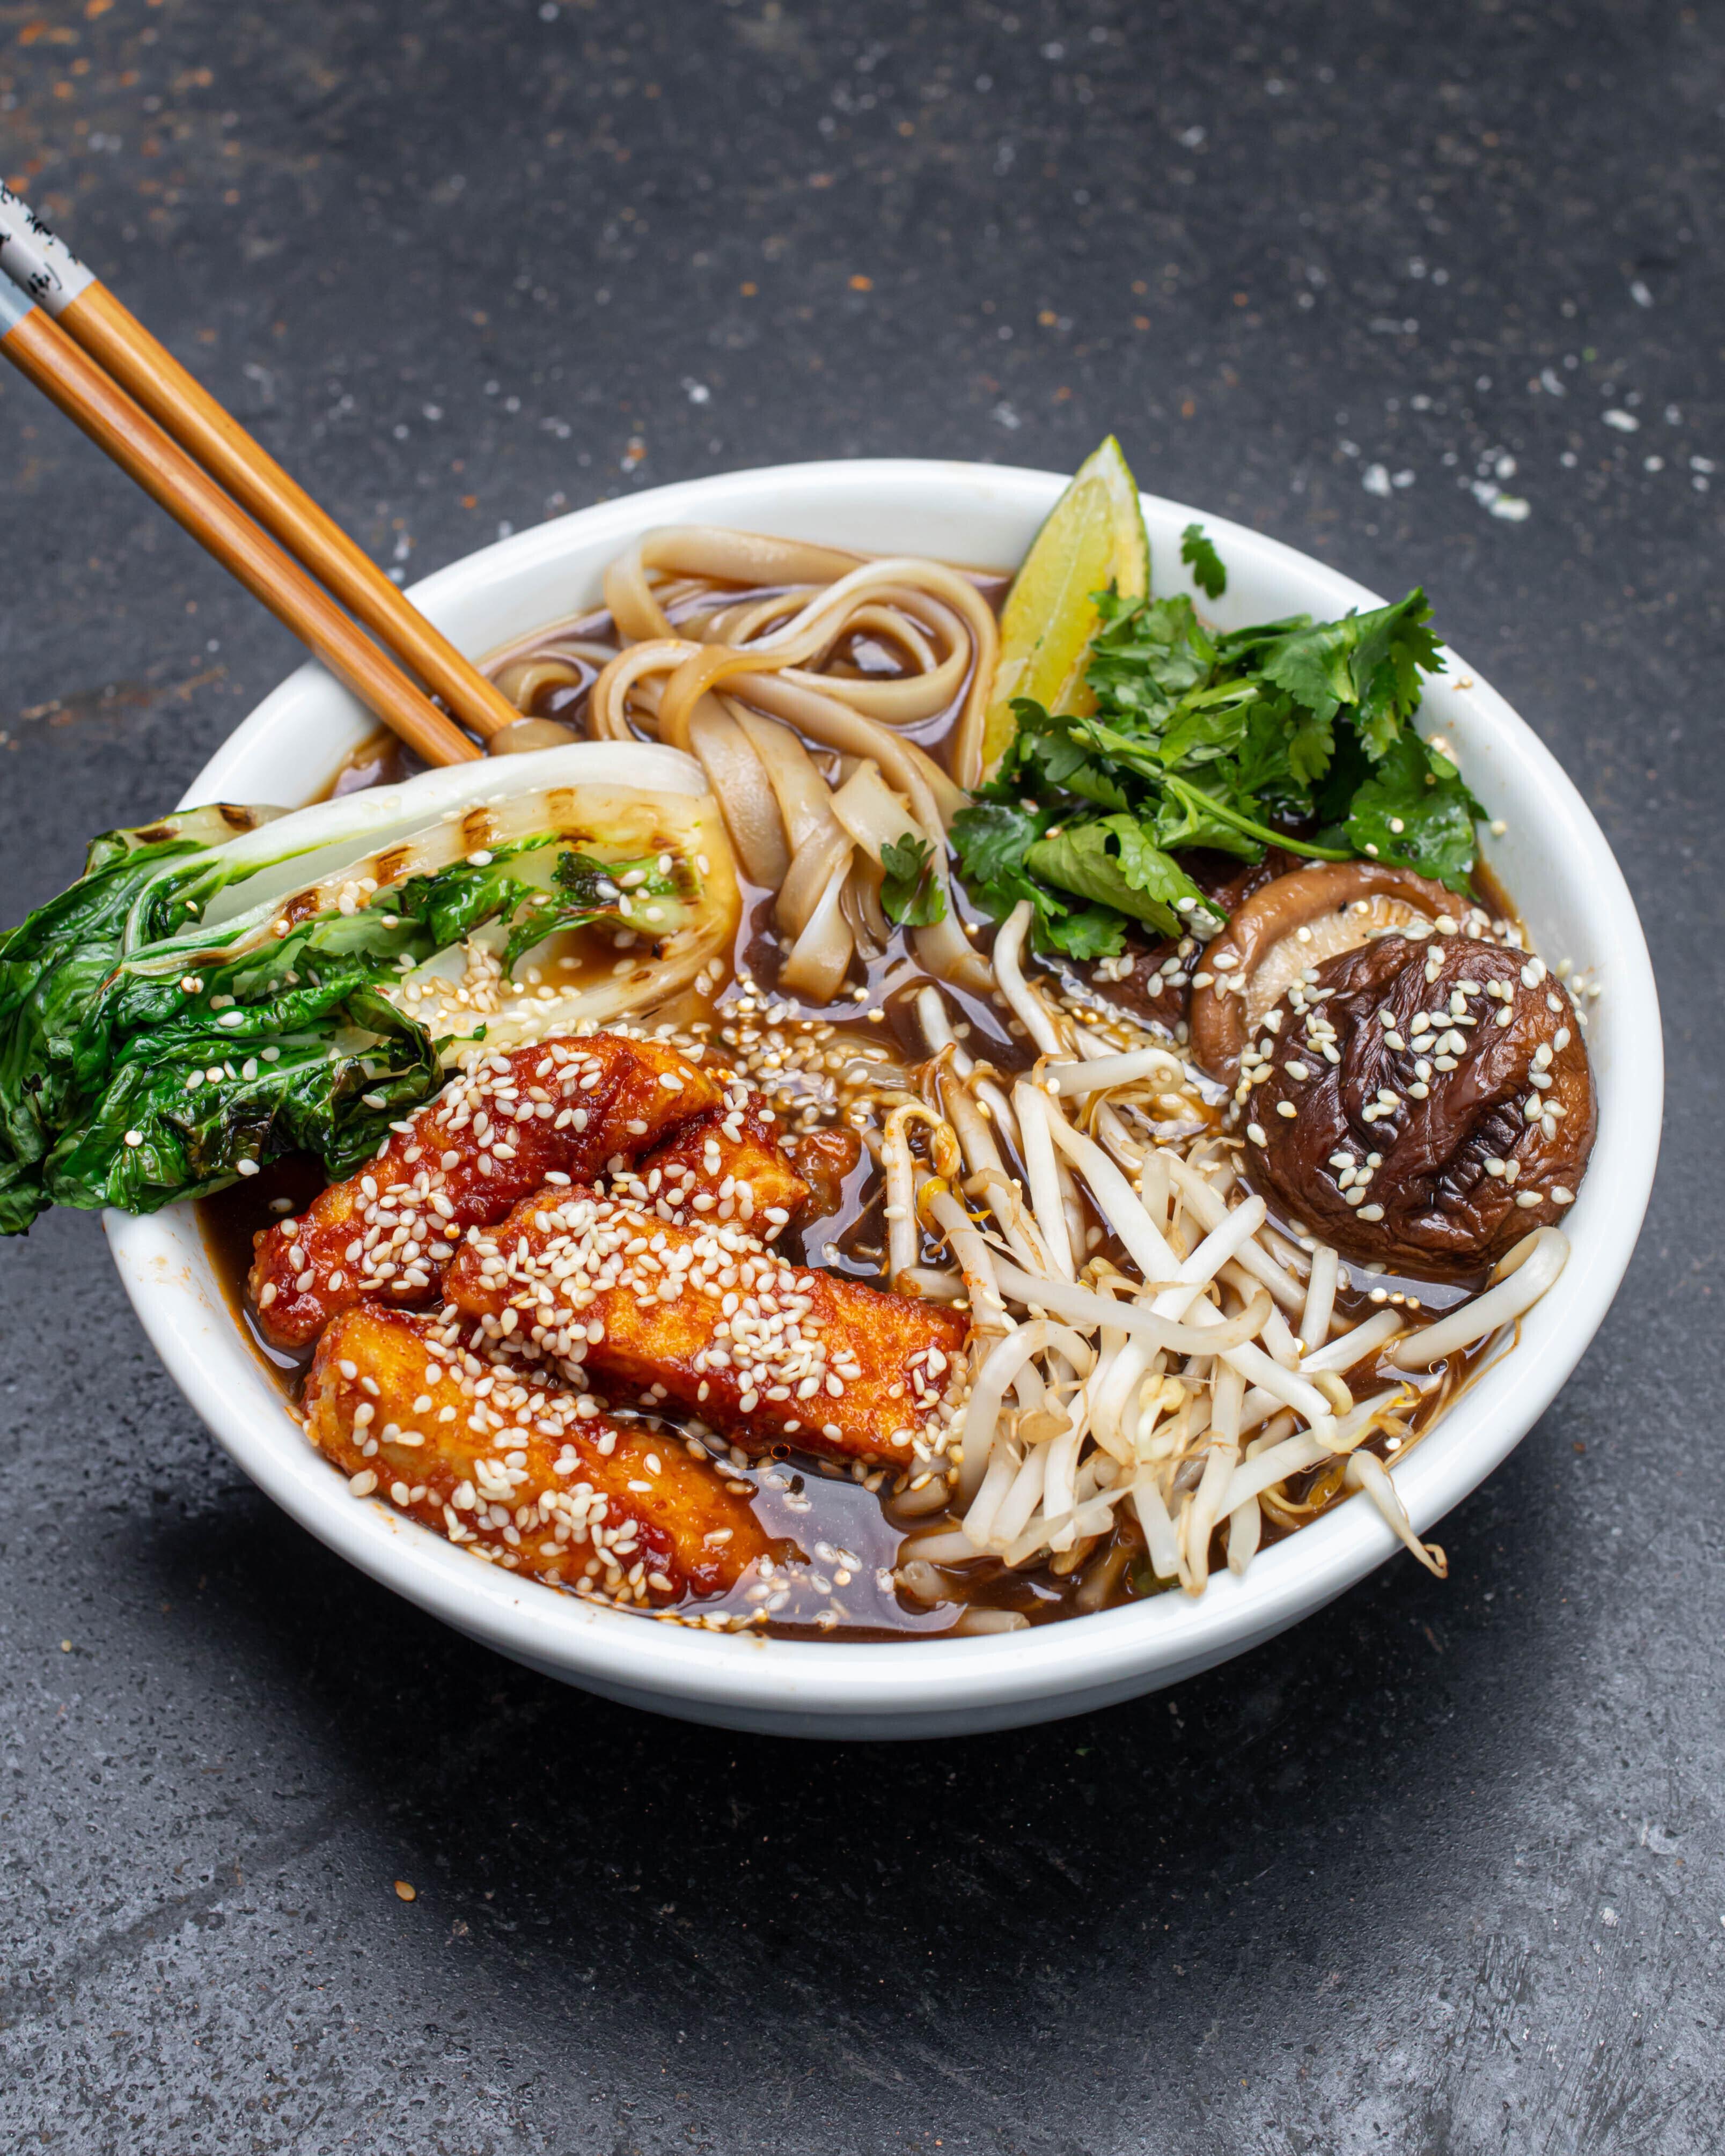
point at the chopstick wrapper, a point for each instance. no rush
(15, 303)
(45, 267)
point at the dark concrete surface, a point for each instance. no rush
(1439, 1871)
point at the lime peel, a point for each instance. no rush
(1094, 536)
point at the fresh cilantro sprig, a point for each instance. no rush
(910, 892)
(1198, 551)
(1292, 733)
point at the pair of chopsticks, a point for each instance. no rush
(64, 329)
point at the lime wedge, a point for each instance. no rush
(1094, 538)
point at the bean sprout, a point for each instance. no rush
(1522, 1278)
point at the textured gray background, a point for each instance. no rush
(1439, 1871)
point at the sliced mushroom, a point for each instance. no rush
(1296, 923)
(1424, 1102)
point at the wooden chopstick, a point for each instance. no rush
(89, 313)
(41, 351)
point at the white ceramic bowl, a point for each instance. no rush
(1553, 857)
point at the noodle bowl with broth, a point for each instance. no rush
(1182, 1315)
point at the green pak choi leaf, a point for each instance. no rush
(195, 1004)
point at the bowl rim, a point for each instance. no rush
(1058, 1667)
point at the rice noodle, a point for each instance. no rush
(744, 794)
(706, 551)
(935, 613)
(823, 856)
(805, 803)
(526, 679)
(874, 816)
(821, 955)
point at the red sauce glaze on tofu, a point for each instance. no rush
(519, 1469)
(572, 1106)
(702, 1316)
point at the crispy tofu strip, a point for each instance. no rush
(725, 1165)
(701, 1315)
(574, 1107)
(519, 1469)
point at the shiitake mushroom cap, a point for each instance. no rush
(1337, 905)
(1434, 1147)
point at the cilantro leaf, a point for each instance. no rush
(991, 841)
(1046, 752)
(1085, 931)
(1371, 662)
(910, 893)
(1205, 563)
(1417, 812)
(1113, 861)
(1396, 648)
(1290, 733)
(1147, 654)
